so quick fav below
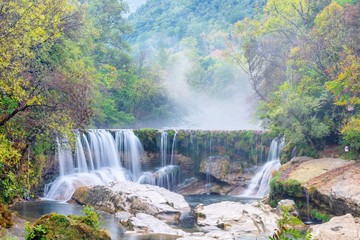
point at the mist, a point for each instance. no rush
(229, 108)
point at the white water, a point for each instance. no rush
(133, 151)
(98, 160)
(173, 149)
(259, 185)
(166, 177)
(163, 148)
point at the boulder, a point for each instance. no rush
(134, 198)
(216, 166)
(223, 172)
(146, 224)
(289, 205)
(234, 219)
(185, 163)
(340, 228)
(332, 184)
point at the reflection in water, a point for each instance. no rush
(34, 210)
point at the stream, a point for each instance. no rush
(33, 210)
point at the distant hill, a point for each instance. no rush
(135, 4)
(183, 18)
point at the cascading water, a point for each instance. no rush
(132, 150)
(259, 185)
(173, 149)
(163, 148)
(98, 160)
(66, 165)
(166, 176)
(95, 163)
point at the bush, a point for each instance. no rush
(285, 228)
(323, 217)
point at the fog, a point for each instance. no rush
(231, 108)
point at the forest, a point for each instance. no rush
(68, 65)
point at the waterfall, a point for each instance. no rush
(96, 162)
(64, 157)
(166, 177)
(163, 148)
(259, 185)
(173, 149)
(132, 150)
(101, 158)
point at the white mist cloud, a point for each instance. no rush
(204, 111)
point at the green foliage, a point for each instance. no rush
(323, 217)
(9, 159)
(58, 226)
(285, 229)
(91, 218)
(303, 63)
(280, 189)
(37, 232)
(188, 18)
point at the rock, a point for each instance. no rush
(332, 184)
(340, 228)
(305, 169)
(57, 226)
(216, 166)
(289, 205)
(146, 224)
(123, 215)
(17, 230)
(339, 189)
(237, 219)
(134, 198)
(186, 164)
(197, 187)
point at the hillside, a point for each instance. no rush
(188, 17)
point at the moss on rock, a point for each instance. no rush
(57, 226)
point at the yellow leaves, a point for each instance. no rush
(284, 13)
(8, 155)
(294, 51)
(345, 85)
(328, 15)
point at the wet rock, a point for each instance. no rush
(235, 219)
(134, 198)
(340, 228)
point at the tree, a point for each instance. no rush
(45, 86)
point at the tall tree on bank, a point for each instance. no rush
(45, 85)
(302, 58)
